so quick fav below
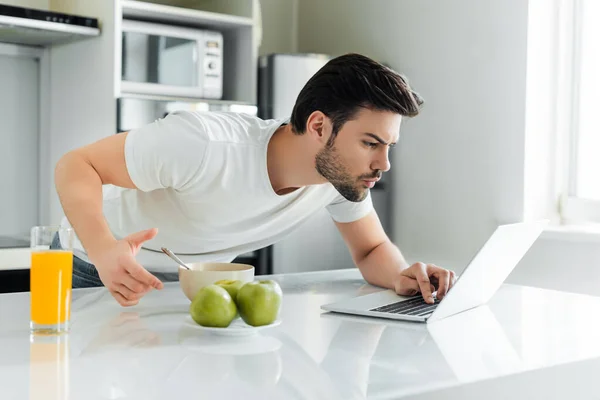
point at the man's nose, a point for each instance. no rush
(382, 162)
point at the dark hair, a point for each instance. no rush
(349, 82)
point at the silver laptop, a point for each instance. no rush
(475, 286)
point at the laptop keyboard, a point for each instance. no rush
(415, 306)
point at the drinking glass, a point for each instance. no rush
(51, 277)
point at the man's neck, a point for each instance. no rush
(291, 161)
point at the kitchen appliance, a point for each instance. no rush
(135, 112)
(38, 27)
(167, 60)
(317, 244)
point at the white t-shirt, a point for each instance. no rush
(203, 182)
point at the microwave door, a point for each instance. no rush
(161, 60)
(178, 63)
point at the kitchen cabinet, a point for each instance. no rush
(19, 138)
(85, 76)
(12, 281)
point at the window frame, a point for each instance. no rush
(573, 209)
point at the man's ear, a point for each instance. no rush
(317, 126)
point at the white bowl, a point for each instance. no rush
(204, 274)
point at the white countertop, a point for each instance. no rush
(15, 258)
(527, 343)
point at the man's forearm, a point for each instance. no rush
(382, 265)
(80, 191)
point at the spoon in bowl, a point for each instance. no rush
(174, 257)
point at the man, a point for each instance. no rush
(213, 185)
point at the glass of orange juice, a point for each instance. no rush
(50, 280)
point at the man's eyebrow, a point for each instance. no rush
(380, 140)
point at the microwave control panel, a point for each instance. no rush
(212, 64)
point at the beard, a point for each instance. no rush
(329, 164)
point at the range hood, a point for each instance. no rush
(43, 28)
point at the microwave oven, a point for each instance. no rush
(165, 60)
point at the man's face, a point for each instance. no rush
(359, 154)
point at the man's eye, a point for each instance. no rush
(370, 144)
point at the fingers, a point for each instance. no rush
(134, 285)
(129, 294)
(442, 276)
(422, 279)
(122, 300)
(137, 239)
(406, 286)
(131, 282)
(425, 278)
(126, 290)
(140, 274)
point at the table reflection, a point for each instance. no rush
(49, 367)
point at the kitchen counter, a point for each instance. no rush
(14, 253)
(15, 258)
(527, 343)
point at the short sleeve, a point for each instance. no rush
(167, 153)
(342, 210)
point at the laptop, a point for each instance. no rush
(475, 286)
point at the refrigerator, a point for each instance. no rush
(317, 244)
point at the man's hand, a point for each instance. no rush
(122, 275)
(425, 279)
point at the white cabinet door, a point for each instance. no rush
(19, 144)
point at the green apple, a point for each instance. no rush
(213, 306)
(259, 302)
(232, 286)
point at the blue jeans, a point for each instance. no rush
(85, 274)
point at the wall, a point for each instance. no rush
(279, 19)
(467, 58)
(40, 4)
(462, 166)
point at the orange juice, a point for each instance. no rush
(50, 291)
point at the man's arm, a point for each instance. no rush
(378, 259)
(79, 176)
(381, 263)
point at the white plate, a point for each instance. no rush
(237, 327)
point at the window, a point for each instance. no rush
(581, 197)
